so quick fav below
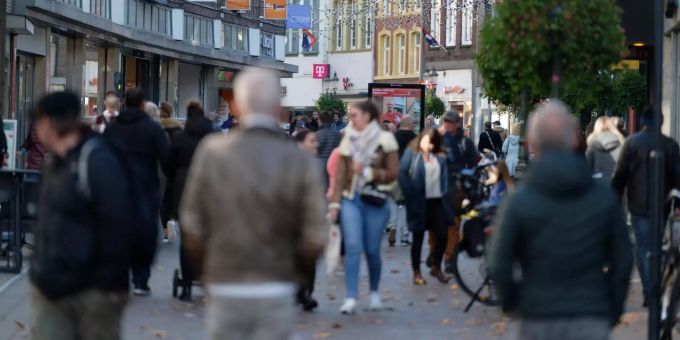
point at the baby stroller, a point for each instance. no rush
(182, 278)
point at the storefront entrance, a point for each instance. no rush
(142, 73)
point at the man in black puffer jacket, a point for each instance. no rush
(563, 228)
(80, 261)
(145, 147)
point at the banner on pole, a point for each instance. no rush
(275, 9)
(299, 17)
(237, 5)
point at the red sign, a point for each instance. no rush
(321, 71)
(384, 92)
(454, 89)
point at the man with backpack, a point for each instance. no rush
(80, 261)
(145, 146)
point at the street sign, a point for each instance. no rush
(299, 17)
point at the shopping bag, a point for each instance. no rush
(333, 249)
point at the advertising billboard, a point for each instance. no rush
(396, 100)
(275, 9)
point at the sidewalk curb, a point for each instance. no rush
(12, 280)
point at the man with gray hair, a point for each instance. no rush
(253, 218)
(564, 229)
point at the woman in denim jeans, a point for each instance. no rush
(369, 158)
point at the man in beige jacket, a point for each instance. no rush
(253, 218)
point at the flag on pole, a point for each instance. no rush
(308, 40)
(430, 39)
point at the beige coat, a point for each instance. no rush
(253, 208)
(384, 173)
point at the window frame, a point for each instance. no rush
(467, 22)
(435, 21)
(452, 23)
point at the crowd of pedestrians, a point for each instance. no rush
(255, 245)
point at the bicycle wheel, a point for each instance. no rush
(669, 309)
(471, 274)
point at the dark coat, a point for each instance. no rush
(489, 139)
(82, 241)
(328, 141)
(633, 173)
(460, 152)
(403, 138)
(144, 145)
(182, 148)
(412, 183)
(562, 227)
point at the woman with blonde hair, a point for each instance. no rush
(604, 147)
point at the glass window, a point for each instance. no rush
(147, 17)
(242, 39)
(209, 26)
(140, 15)
(338, 26)
(353, 25)
(451, 23)
(434, 20)
(368, 24)
(385, 55)
(132, 6)
(415, 45)
(401, 53)
(267, 45)
(467, 24)
(292, 42)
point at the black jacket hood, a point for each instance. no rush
(198, 126)
(131, 116)
(560, 174)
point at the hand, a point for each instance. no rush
(19, 153)
(358, 168)
(333, 214)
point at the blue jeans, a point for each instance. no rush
(363, 226)
(642, 226)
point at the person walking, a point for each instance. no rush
(489, 140)
(111, 105)
(315, 123)
(511, 150)
(145, 147)
(169, 124)
(604, 148)
(633, 176)
(328, 140)
(153, 111)
(171, 127)
(573, 230)
(405, 134)
(368, 166)
(34, 148)
(277, 226)
(182, 147)
(337, 124)
(424, 182)
(460, 154)
(80, 260)
(500, 130)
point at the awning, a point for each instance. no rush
(19, 24)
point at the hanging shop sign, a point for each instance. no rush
(321, 71)
(237, 5)
(454, 89)
(275, 9)
(299, 17)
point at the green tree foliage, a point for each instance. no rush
(330, 102)
(630, 91)
(518, 44)
(434, 105)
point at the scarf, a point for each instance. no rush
(363, 144)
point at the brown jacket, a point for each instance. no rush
(385, 167)
(253, 208)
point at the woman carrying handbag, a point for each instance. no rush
(424, 182)
(368, 165)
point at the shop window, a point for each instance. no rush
(90, 80)
(293, 42)
(59, 61)
(198, 30)
(267, 45)
(234, 37)
(101, 8)
(149, 17)
(451, 23)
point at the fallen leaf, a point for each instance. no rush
(20, 324)
(431, 300)
(447, 322)
(394, 271)
(473, 322)
(499, 328)
(454, 286)
(159, 334)
(322, 335)
(336, 326)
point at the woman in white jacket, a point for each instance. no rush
(511, 149)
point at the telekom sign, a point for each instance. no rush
(321, 71)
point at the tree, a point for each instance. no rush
(330, 102)
(518, 46)
(630, 91)
(434, 105)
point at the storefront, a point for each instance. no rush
(190, 86)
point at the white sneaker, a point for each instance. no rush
(349, 307)
(376, 304)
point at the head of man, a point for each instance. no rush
(648, 118)
(452, 122)
(112, 102)
(325, 118)
(497, 124)
(315, 116)
(258, 91)
(57, 121)
(390, 107)
(336, 117)
(135, 99)
(552, 129)
(487, 126)
(406, 123)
